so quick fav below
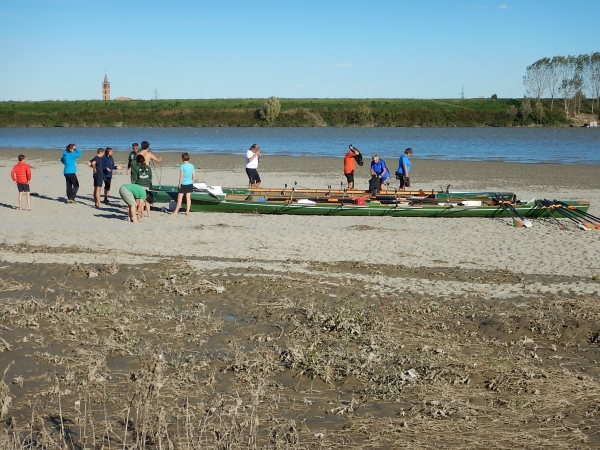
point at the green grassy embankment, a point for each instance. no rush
(294, 113)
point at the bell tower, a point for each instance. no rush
(105, 88)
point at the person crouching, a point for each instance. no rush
(134, 197)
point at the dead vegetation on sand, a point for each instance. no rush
(165, 357)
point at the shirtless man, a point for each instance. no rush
(148, 156)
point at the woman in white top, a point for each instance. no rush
(253, 157)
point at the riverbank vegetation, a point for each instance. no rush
(566, 78)
(480, 112)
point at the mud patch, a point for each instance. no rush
(164, 356)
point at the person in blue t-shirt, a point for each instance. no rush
(380, 170)
(69, 159)
(108, 165)
(187, 174)
(403, 172)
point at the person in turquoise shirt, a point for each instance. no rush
(69, 159)
(187, 175)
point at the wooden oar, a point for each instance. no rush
(576, 218)
(525, 222)
(574, 209)
(566, 213)
(517, 223)
(549, 212)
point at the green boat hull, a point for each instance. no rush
(202, 202)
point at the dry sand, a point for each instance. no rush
(492, 301)
(481, 243)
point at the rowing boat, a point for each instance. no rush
(354, 203)
(286, 193)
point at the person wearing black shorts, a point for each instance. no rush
(253, 157)
(187, 175)
(349, 165)
(21, 175)
(108, 165)
(253, 177)
(96, 164)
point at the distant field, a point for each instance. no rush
(294, 113)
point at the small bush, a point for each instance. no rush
(270, 111)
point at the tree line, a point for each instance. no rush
(481, 112)
(568, 78)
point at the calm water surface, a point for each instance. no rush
(528, 145)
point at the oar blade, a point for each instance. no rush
(526, 223)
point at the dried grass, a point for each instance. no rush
(9, 284)
(5, 398)
(152, 364)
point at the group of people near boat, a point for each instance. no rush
(137, 195)
(380, 174)
(134, 194)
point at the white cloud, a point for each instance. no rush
(503, 6)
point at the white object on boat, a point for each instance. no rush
(200, 186)
(215, 189)
(470, 203)
(448, 204)
(528, 201)
(305, 201)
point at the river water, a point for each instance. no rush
(525, 145)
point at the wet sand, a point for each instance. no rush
(460, 174)
(300, 331)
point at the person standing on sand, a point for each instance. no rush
(69, 159)
(108, 163)
(141, 174)
(132, 155)
(96, 164)
(349, 165)
(253, 157)
(21, 175)
(187, 175)
(133, 196)
(147, 153)
(403, 172)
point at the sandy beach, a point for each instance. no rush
(484, 243)
(472, 321)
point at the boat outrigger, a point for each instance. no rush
(330, 202)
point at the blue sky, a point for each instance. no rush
(61, 49)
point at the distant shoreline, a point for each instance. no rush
(491, 112)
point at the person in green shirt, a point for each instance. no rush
(141, 174)
(134, 196)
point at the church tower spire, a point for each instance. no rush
(105, 88)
